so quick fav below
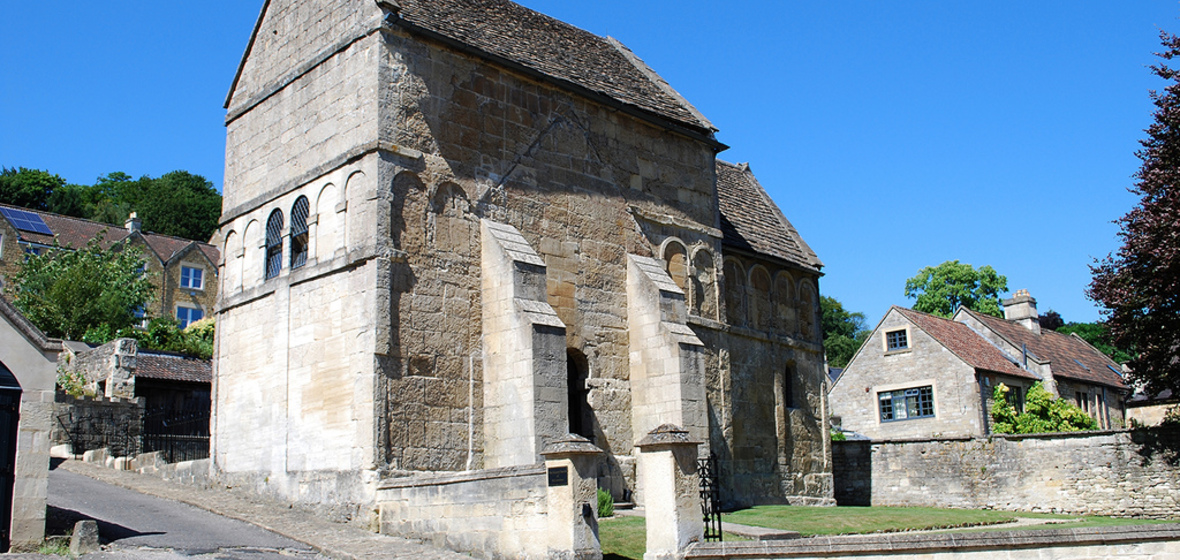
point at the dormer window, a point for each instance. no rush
(896, 340)
(192, 278)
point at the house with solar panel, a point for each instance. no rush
(919, 375)
(184, 271)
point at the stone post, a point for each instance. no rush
(668, 469)
(572, 464)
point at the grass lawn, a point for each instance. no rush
(810, 521)
(626, 537)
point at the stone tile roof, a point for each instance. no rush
(1069, 357)
(75, 233)
(750, 220)
(509, 31)
(965, 343)
(151, 364)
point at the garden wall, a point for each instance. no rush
(1121, 473)
(88, 423)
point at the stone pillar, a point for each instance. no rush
(572, 464)
(667, 358)
(668, 467)
(525, 398)
(121, 379)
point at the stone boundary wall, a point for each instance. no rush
(1141, 542)
(1120, 473)
(87, 423)
(489, 513)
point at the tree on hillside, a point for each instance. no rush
(1098, 336)
(66, 293)
(941, 290)
(1051, 320)
(844, 332)
(1139, 287)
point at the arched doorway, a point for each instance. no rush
(10, 392)
(581, 416)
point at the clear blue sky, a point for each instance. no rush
(894, 135)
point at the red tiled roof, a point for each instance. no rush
(75, 233)
(965, 343)
(172, 367)
(1068, 356)
(750, 220)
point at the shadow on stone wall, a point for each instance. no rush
(1158, 444)
(852, 472)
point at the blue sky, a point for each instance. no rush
(894, 135)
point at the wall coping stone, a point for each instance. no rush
(442, 478)
(926, 543)
(1015, 437)
(666, 434)
(571, 444)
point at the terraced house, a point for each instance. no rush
(184, 271)
(457, 231)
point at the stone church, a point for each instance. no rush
(457, 230)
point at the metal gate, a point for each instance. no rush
(9, 418)
(710, 496)
(180, 435)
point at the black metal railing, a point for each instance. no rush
(179, 436)
(710, 496)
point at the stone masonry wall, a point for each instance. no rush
(495, 513)
(1122, 473)
(95, 422)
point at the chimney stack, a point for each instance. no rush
(1022, 309)
(133, 224)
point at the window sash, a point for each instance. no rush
(906, 404)
(192, 278)
(896, 340)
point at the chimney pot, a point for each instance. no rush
(1022, 309)
(133, 223)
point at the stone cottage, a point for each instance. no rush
(919, 375)
(184, 272)
(456, 231)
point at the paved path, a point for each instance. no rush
(334, 540)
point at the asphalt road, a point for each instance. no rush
(130, 520)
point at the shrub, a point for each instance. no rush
(838, 436)
(1042, 413)
(606, 503)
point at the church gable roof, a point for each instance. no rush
(750, 220)
(554, 48)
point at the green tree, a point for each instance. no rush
(844, 331)
(178, 203)
(941, 290)
(1139, 287)
(1098, 336)
(1042, 413)
(66, 293)
(28, 188)
(162, 333)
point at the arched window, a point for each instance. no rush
(274, 244)
(299, 232)
(735, 293)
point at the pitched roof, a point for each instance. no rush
(1068, 356)
(965, 343)
(150, 364)
(517, 35)
(75, 233)
(750, 219)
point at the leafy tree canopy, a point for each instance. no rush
(844, 331)
(1098, 336)
(66, 293)
(1042, 413)
(178, 203)
(1139, 287)
(941, 290)
(1051, 320)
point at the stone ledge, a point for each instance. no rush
(437, 479)
(927, 543)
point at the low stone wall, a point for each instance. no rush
(1122, 473)
(1143, 542)
(88, 423)
(494, 513)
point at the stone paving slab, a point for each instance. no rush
(335, 540)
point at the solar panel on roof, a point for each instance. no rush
(26, 221)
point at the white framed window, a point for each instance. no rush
(192, 278)
(140, 314)
(906, 404)
(188, 315)
(897, 340)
